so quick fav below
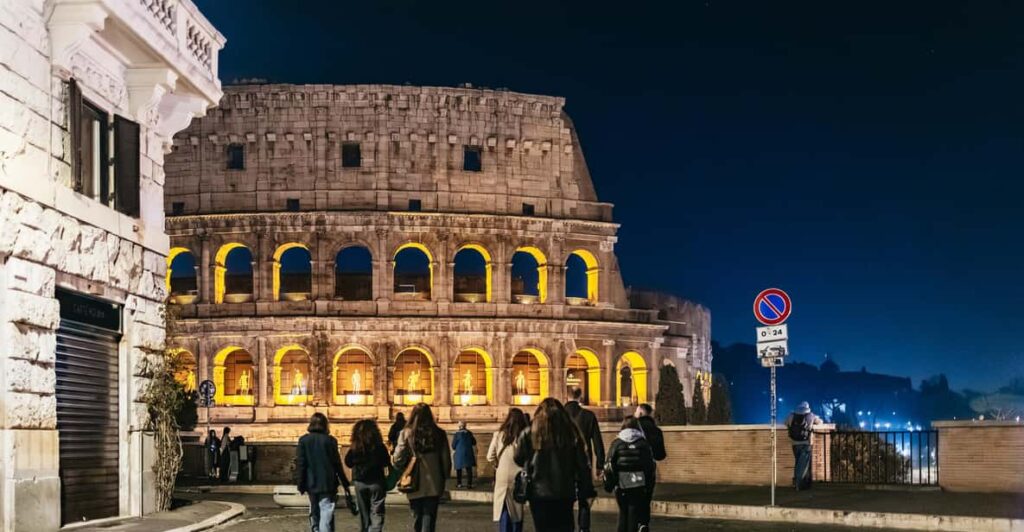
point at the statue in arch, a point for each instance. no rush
(467, 383)
(520, 383)
(413, 382)
(298, 386)
(190, 381)
(243, 383)
(357, 381)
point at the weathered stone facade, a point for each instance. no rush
(130, 60)
(439, 171)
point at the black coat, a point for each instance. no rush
(586, 421)
(318, 464)
(653, 436)
(633, 456)
(556, 475)
(368, 467)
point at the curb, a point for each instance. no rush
(735, 512)
(234, 510)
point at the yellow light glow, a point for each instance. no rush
(488, 396)
(542, 270)
(430, 261)
(592, 272)
(411, 399)
(276, 274)
(638, 373)
(291, 396)
(171, 255)
(220, 398)
(593, 375)
(487, 268)
(361, 388)
(220, 269)
(544, 370)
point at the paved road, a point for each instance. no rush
(459, 517)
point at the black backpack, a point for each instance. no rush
(799, 429)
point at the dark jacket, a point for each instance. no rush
(586, 421)
(368, 467)
(653, 436)
(394, 431)
(318, 464)
(555, 475)
(433, 467)
(630, 451)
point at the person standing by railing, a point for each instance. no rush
(800, 425)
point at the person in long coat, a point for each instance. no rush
(464, 444)
(425, 441)
(507, 512)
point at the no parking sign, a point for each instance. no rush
(772, 306)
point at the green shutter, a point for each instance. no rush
(126, 166)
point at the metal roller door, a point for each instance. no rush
(87, 407)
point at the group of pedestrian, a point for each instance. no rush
(222, 456)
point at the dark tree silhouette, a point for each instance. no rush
(671, 401)
(698, 410)
(720, 409)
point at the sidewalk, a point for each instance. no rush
(191, 518)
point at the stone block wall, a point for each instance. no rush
(986, 456)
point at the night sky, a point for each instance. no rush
(864, 156)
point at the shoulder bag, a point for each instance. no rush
(522, 489)
(409, 481)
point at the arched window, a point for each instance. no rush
(471, 378)
(186, 371)
(353, 274)
(529, 276)
(631, 379)
(291, 376)
(414, 273)
(472, 275)
(353, 377)
(232, 281)
(529, 377)
(583, 371)
(182, 287)
(234, 376)
(581, 275)
(293, 273)
(414, 378)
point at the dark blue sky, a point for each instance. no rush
(865, 156)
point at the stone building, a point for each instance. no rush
(358, 249)
(91, 93)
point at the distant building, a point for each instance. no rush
(357, 249)
(91, 93)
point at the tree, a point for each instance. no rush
(166, 398)
(698, 410)
(720, 409)
(670, 398)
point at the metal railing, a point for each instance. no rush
(884, 457)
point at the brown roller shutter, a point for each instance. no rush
(126, 166)
(87, 407)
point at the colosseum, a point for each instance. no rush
(357, 249)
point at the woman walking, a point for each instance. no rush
(554, 455)
(396, 428)
(318, 468)
(464, 445)
(425, 442)
(631, 466)
(507, 512)
(368, 458)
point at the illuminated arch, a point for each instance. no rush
(593, 374)
(220, 269)
(341, 372)
(488, 274)
(403, 375)
(228, 366)
(638, 376)
(171, 255)
(186, 368)
(543, 377)
(458, 392)
(592, 273)
(542, 270)
(430, 266)
(281, 250)
(291, 376)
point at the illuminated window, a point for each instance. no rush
(470, 379)
(186, 374)
(630, 380)
(353, 378)
(576, 377)
(529, 378)
(181, 276)
(291, 377)
(294, 272)
(581, 278)
(233, 277)
(237, 378)
(472, 276)
(353, 274)
(413, 273)
(414, 378)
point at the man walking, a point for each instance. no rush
(586, 422)
(800, 425)
(645, 415)
(318, 472)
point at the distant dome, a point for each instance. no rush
(829, 365)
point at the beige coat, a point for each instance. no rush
(505, 470)
(433, 468)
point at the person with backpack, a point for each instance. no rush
(586, 422)
(557, 472)
(464, 445)
(368, 458)
(507, 512)
(631, 474)
(318, 472)
(800, 425)
(645, 416)
(423, 456)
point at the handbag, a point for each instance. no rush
(632, 479)
(409, 481)
(522, 488)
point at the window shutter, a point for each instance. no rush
(75, 130)
(126, 166)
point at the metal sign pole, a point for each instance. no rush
(775, 454)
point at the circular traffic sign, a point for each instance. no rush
(207, 390)
(772, 306)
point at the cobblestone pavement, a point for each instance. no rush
(460, 517)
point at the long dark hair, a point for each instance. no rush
(423, 429)
(553, 429)
(400, 420)
(515, 422)
(366, 437)
(318, 423)
(630, 422)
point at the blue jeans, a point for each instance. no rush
(321, 511)
(802, 466)
(506, 524)
(370, 500)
